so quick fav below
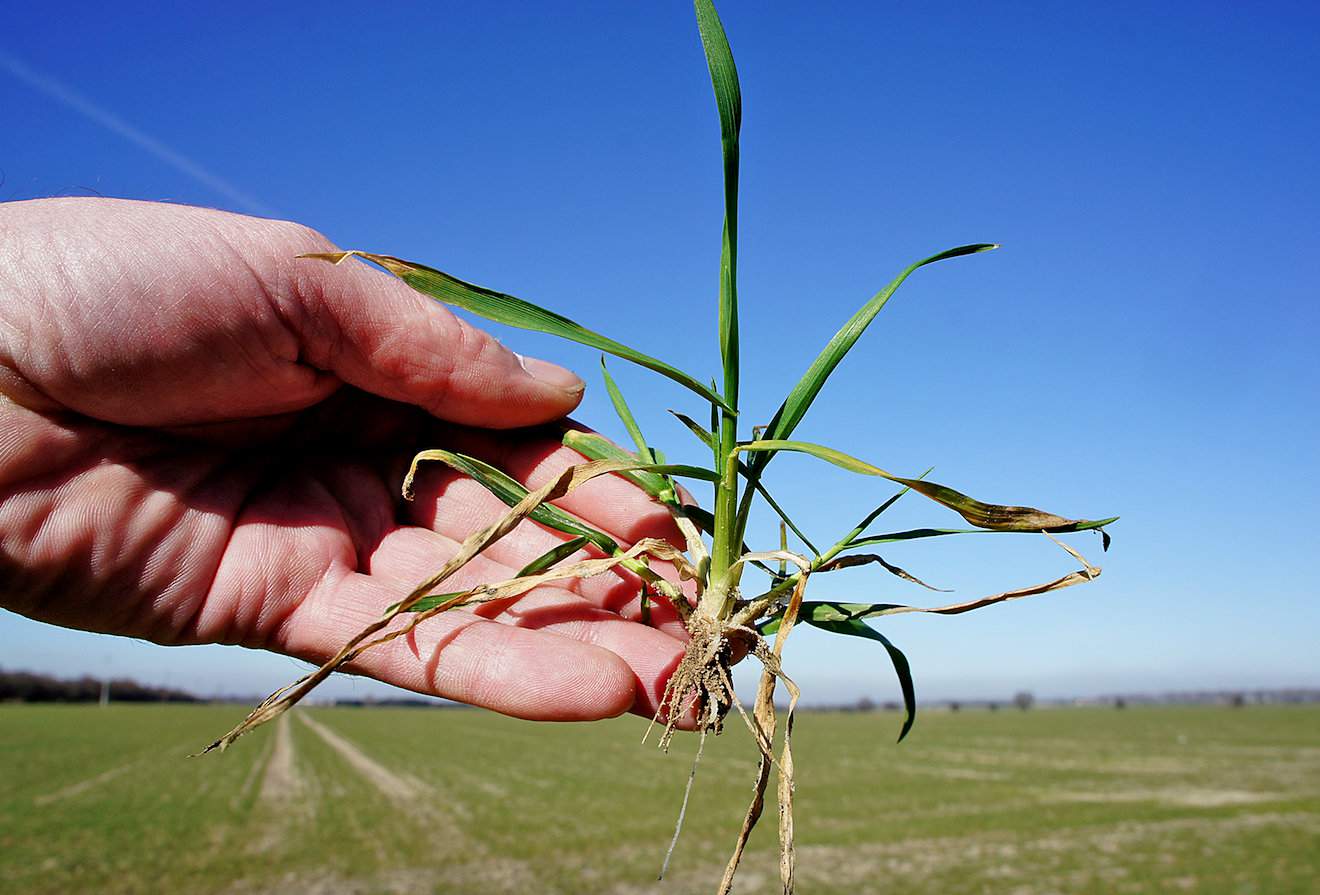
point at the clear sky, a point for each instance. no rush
(1143, 345)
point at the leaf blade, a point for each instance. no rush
(857, 628)
(799, 400)
(625, 414)
(552, 556)
(708, 439)
(585, 442)
(995, 517)
(512, 311)
(511, 491)
(728, 102)
(913, 534)
(595, 446)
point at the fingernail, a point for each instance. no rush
(553, 374)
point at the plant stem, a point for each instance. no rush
(726, 539)
(724, 574)
(759, 605)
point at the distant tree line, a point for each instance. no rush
(25, 686)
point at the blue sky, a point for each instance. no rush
(1143, 345)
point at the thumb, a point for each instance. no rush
(372, 331)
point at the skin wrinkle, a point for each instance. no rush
(214, 595)
(163, 543)
(217, 477)
(478, 678)
(32, 521)
(120, 291)
(364, 532)
(244, 591)
(72, 267)
(44, 313)
(237, 261)
(186, 625)
(207, 488)
(53, 443)
(490, 361)
(87, 502)
(254, 609)
(26, 283)
(305, 309)
(347, 557)
(296, 280)
(437, 371)
(280, 342)
(347, 562)
(266, 372)
(273, 625)
(75, 565)
(470, 677)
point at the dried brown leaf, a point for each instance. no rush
(862, 559)
(282, 700)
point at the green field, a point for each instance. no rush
(417, 801)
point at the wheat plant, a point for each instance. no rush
(726, 619)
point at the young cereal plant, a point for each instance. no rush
(723, 621)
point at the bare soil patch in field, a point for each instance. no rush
(74, 790)
(406, 790)
(1000, 862)
(431, 809)
(1181, 796)
(282, 783)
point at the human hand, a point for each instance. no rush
(202, 438)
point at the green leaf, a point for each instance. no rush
(540, 564)
(709, 440)
(552, 556)
(779, 511)
(510, 490)
(865, 559)
(835, 618)
(857, 628)
(715, 428)
(723, 73)
(830, 611)
(799, 400)
(513, 311)
(594, 446)
(625, 414)
(728, 100)
(703, 518)
(707, 437)
(914, 534)
(597, 447)
(430, 602)
(877, 512)
(983, 515)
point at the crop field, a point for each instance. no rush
(419, 801)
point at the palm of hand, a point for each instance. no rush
(184, 461)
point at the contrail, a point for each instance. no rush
(118, 126)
